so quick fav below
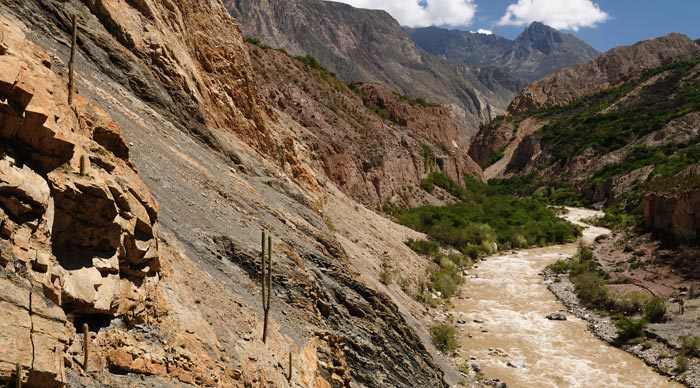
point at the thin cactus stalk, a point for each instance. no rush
(289, 372)
(86, 348)
(71, 64)
(83, 164)
(266, 284)
(18, 375)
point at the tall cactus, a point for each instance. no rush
(86, 349)
(289, 372)
(18, 374)
(71, 71)
(83, 165)
(266, 280)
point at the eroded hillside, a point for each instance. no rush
(224, 158)
(373, 143)
(370, 46)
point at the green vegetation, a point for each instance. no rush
(429, 161)
(655, 309)
(587, 124)
(681, 364)
(690, 345)
(315, 66)
(605, 122)
(631, 303)
(387, 271)
(630, 330)
(494, 158)
(257, 42)
(416, 101)
(423, 247)
(444, 338)
(485, 221)
(444, 275)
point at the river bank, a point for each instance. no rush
(500, 316)
(655, 353)
(658, 350)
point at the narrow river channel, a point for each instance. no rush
(504, 308)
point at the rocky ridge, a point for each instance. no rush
(370, 46)
(610, 69)
(536, 52)
(368, 140)
(516, 140)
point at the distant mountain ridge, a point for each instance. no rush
(370, 46)
(614, 67)
(536, 52)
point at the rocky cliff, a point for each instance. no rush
(370, 141)
(226, 154)
(370, 46)
(673, 212)
(610, 69)
(625, 147)
(79, 241)
(569, 89)
(536, 52)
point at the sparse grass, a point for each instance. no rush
(444, 338)
(329, 223)
(681, 364)
(690, 345)
(387, 271)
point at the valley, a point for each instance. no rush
(501, 318)
(412, 181)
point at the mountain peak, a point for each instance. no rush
(538, 50)
(541, 37)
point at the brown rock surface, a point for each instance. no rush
(223, 165)
(610, 69)
(372, 158)
(77, 245)
(676, 212)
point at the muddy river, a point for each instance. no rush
(504, 308)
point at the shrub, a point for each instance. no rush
(681, 364)
(423, 247)
(447, 278)
(631, 303)
(690, 345)
(386, 273)
(444, 338)
(629, 329)
(655, 309)
(590, 288)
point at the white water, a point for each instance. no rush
(511, 299)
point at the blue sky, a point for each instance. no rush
(603, 24)
(629, 21)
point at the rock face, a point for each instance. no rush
(226, 157)
(536, 52)
(368, 141)
(673, 212)
(610, 69)
(370, 46)
(76, 241)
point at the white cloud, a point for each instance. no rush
(483, 31)
(559, 14)
(422, 13)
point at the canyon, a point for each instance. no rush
(131, 208)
